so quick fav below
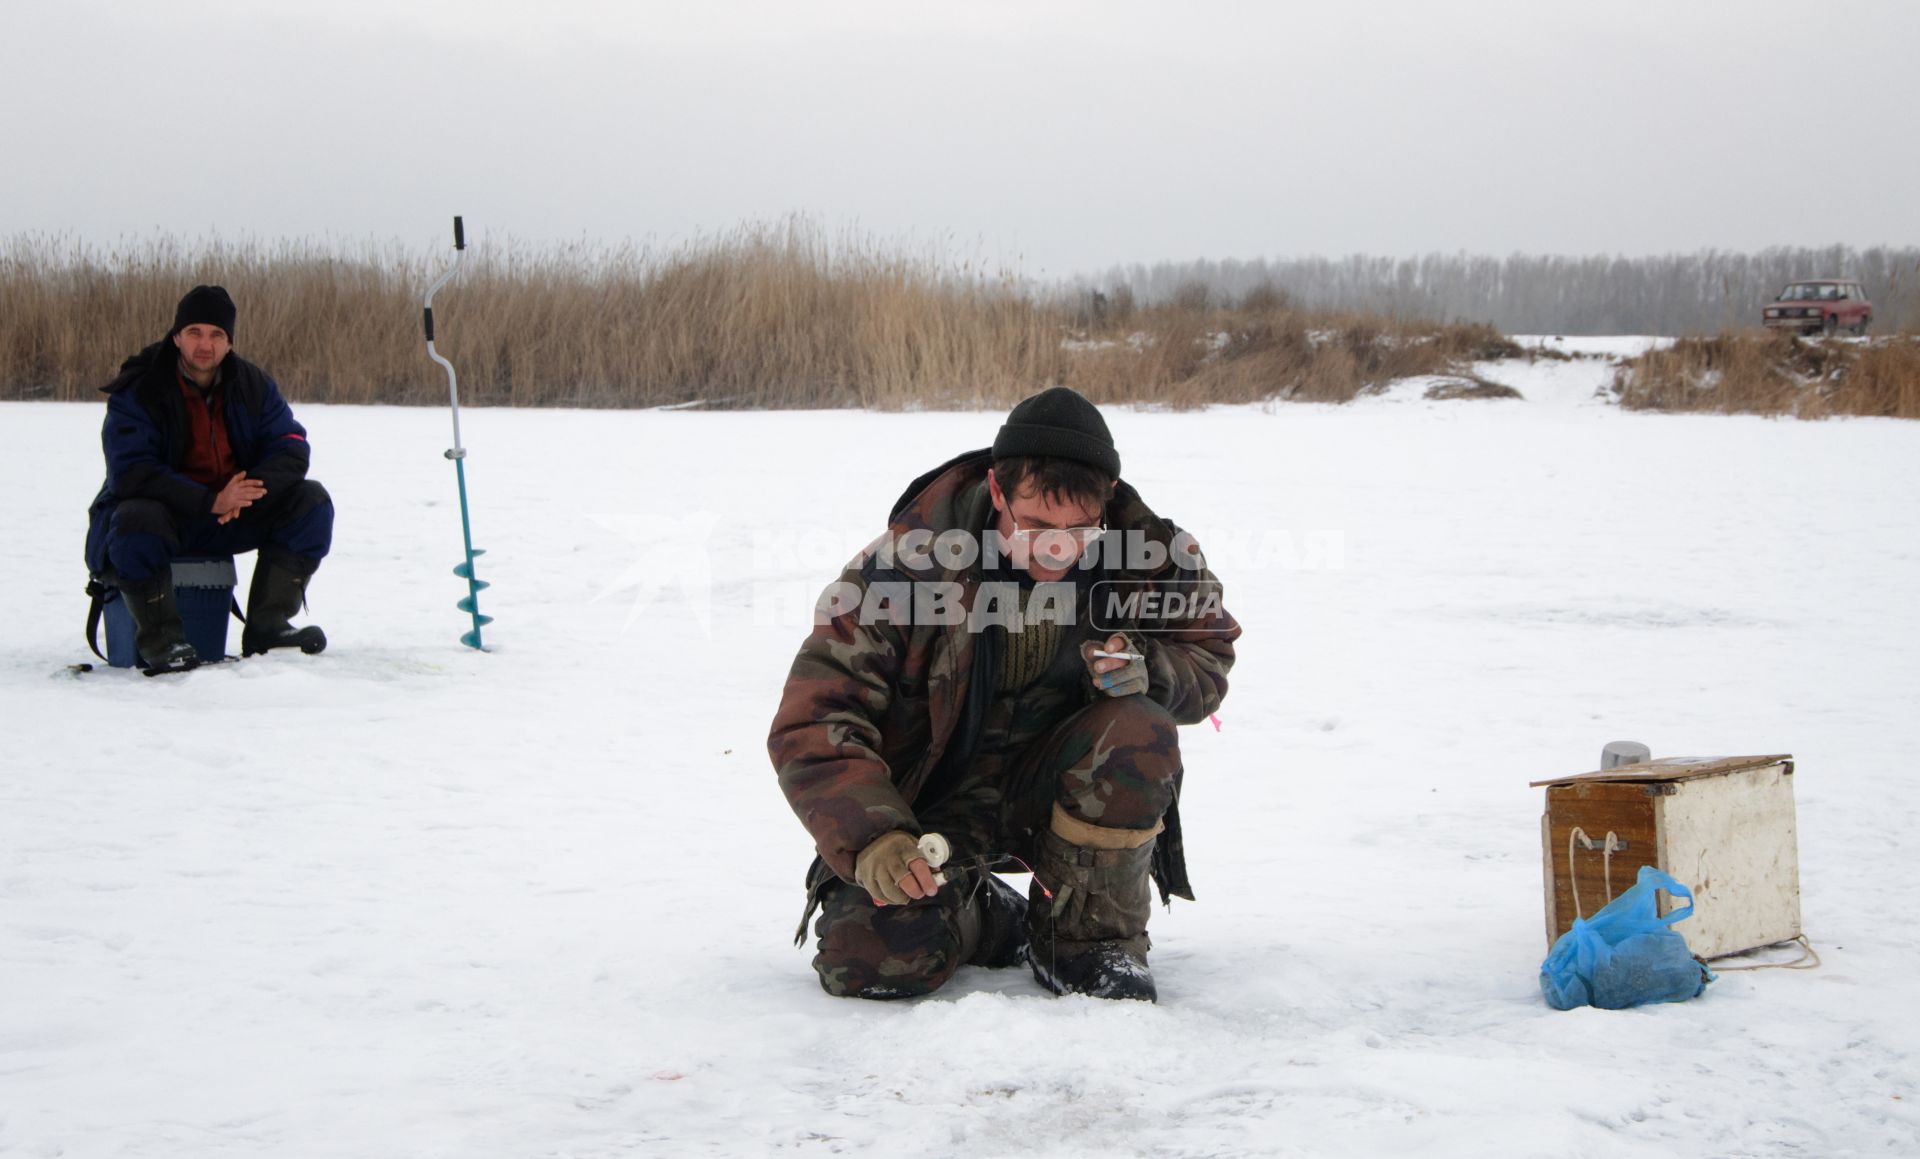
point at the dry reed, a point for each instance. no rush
(780, 315)
(1759, 372)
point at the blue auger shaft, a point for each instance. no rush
(471, 604)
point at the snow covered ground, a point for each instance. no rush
(403, 899)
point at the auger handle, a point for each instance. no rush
(426, 318)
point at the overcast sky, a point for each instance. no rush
(1053, 137)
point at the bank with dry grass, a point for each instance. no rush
(784, 315)
(1759, 372)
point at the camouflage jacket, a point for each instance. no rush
(871, 708)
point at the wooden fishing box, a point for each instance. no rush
(1722, 826)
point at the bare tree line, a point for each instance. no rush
(1674, 294)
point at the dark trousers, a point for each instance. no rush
(1114, 763)
(145, 535)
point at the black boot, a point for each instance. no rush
(278, 592)
(1090, 937)
(158, 635)
(993, 924)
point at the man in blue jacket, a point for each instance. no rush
(205, 458)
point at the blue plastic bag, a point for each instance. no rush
(1625, 955)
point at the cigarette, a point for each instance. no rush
(1118, 655)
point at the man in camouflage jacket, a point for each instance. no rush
(1004, 667)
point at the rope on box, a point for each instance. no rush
(1809, 958)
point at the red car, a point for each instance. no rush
(1827, 305)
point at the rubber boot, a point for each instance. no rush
(1090, 937)
(158, 634)
(993, 924)
(278, 592)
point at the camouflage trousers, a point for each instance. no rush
(1114, 763)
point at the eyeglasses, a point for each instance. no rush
(1056, 542)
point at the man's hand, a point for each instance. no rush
(239, 494)
(893, 870)
(1115, 675)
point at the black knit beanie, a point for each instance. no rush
(207, 306)
(1058, 424)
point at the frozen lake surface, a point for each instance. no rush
(406, 899)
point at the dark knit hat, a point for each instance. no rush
(1058, 424)
(207, 306)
